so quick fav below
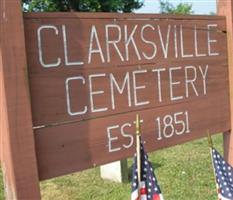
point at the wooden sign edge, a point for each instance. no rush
(101, 15)
(18, 158)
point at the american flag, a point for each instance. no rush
(224, 176)
(149, 188)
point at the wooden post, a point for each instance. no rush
(225, 8)
(17, 145)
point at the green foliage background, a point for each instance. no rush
(82, 5)
(101, 6)
(181, 8)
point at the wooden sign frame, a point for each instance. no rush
(17, 142)
(18, 158)
(225, 8)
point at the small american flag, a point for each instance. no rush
(149, 188)
(224, 176)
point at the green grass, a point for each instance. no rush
(1, 186)
(184, 172)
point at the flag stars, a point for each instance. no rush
(149, 188)
(224, 175)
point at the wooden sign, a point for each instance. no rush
(71, 85)
(89, 74)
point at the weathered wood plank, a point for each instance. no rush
(90, 74)
(18, 158)
(99, 15)
(76, 146)
(48, 80)
(225, 8)
(50, 99)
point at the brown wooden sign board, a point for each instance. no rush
(89, 74)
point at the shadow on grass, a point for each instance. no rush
(155, 165)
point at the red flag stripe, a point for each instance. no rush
(143, 191)
(156, 197)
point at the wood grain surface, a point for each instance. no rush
(89, 75)
(18, 157)
(225, 8)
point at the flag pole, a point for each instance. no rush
(138, 150)
(210, 142)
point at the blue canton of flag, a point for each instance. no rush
(224, 176)
(149, 188)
